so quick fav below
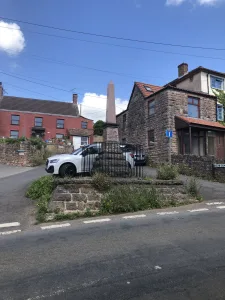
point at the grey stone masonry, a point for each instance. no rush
(168, 103)
(79, 195)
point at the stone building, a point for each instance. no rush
(190, 113)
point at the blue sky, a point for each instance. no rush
(185, 22)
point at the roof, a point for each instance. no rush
(122, 112)
(144, 86)
(193, 72)
(170, 87)
(80, 132)
(194, 121)
(39, 106)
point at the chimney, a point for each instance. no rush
(1, 91)
(182, 69)
(75, 98)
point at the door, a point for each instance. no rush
(88, 158)
(76, 142)
(220, 151)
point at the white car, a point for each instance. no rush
(80, 161)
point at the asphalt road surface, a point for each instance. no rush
(14, 206)
(159, 257)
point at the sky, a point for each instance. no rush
(45, 63)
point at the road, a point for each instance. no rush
(14, 206)
(157, 257)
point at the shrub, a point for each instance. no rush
(129, 199)
(101, 182)
(167, 172)
(43, 186)
(37, 142)
(193, 188)
(37, 160)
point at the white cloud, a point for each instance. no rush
(208, 2)
(200, 2)
(12, 40)
(174, 2)
(93, 106)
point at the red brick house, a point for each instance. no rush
(43, 118)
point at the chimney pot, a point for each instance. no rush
(75, 98)
(182, 69)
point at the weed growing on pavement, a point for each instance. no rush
(41, 190)
(167, 172)
(193, 188)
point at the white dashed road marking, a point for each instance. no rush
(221, 207)
(13, 224)
(9, 232)
(214, 203)
(55, 226)
(200, 209)
(157, 268)
(134, 217)
(97, 221)
(168, 213)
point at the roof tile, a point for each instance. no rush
(142, 86)
(201, 122)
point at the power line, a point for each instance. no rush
(34, 82)
(120, 46)
(114, 37)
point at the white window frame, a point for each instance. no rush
(13, 136)
(84, 143)
(222, 82)
(59, 134)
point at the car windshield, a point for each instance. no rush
(78, 151)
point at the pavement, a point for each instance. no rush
(14, 206)
(6, 171)
(210, 190)
(147, 256)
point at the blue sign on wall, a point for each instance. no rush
(169, 134)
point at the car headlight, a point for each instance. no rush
(54, 161)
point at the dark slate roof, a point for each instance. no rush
(39, 106)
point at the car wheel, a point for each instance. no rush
(67, 170)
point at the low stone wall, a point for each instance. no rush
(200, 166)
(78, 195)
(19, 154)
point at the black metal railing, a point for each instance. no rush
(113, 159)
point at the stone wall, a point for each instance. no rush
(79, 195)
(59, 149)
(19, 154)
(200, 166)
(168, 104)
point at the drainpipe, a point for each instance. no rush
(190, 140)
(208, 82)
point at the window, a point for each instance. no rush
(197, 145)
(124, 121)
(14, 134)
(59, 136)
(151, 107)
(216, 83)
(15, 120)
(220, 112)
(147, 88)
(60, 123)
(211, 143)
(151, 137)
(84, 140)
(84, 125)
(193, 107)
(38, 122)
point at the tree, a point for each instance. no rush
(98, 127)
(220, 96)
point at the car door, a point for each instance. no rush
(88, 157)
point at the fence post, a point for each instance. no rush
(213, 171)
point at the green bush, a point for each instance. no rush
(37, 142)
(101, 182)
(37, 160)
(167, 172)
(193, 188)
(129, 199)
(43, 186)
